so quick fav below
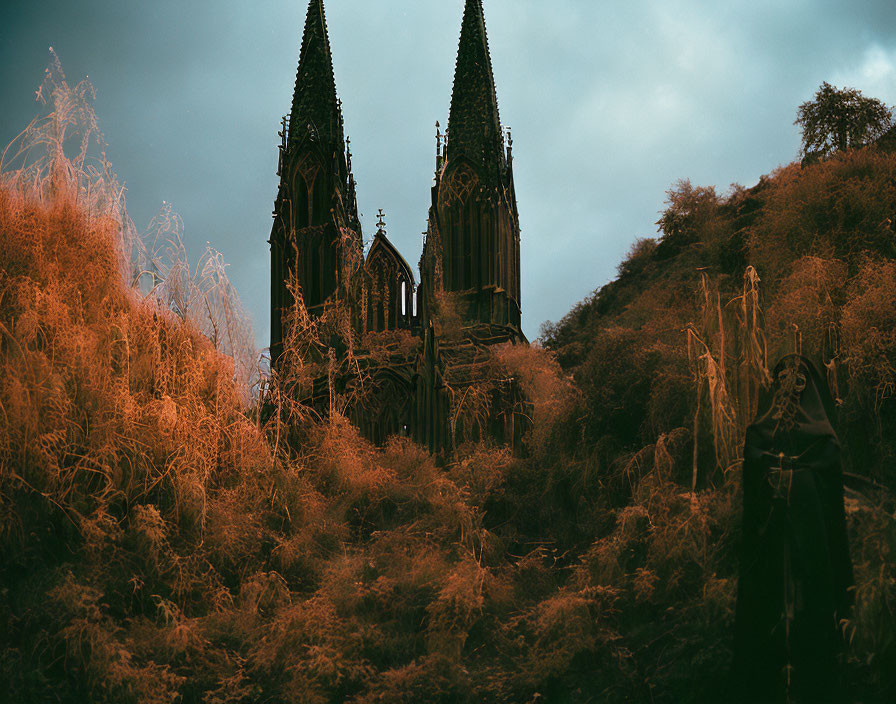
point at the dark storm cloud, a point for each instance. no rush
(609, 105)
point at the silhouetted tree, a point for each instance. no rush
(840, 119)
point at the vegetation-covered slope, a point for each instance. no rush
(679, 344)
(159, 543)
(822, 240)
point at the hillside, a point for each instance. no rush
(680, 343)
(162, 540)
(813, 245)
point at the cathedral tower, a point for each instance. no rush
(316, 237)
(415, 368)
(473, 237)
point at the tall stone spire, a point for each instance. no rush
(472, 246)
(316, 236)
(474, 128)
(315, 107)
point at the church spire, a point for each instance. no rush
(473, 124)
(315, 108)
(316, 236)
(472, 248)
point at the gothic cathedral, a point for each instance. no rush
(434, 340)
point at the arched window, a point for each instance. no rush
(457, 207)
(300, 202)
(320, 212)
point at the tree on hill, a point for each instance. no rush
(839, 119)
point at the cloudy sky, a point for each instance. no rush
(610, 103)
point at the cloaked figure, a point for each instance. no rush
(795, 568)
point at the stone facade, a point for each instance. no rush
(418, 379)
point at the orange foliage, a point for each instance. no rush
(160, 542)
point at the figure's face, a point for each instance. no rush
(789, 385)
(791, 378)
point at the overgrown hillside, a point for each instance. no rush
(813, 245)
(160, 541)
(159, 544)
(678, 346)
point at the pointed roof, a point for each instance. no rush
(382, 243)
(474, 128)
(314, 101)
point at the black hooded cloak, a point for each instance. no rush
(795, 568)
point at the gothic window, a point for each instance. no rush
(307, 171)
(300, 202)
(383, 303)
(460, 183)
(320, 211)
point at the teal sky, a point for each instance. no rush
(610, 103)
